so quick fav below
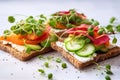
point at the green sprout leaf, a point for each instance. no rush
(50, 76)
(95, 23)
(46, 64)
(7, 32)
(11, 19)
(114, 41)
(58, 60)
(107, 77)
(42, 16)
(118, 28)
(112, 20)
(110, 28)
(41, 71)
(64, 65)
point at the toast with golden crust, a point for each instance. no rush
(22, 55)
(115, 51)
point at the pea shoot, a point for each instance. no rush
(108, 69)
(112, 19)
(43, 17)
(58, 60)
(114, 41)
(41, 71)
(101, 31)
(107, 77)
(64, 65)
(90, 31)
(7, 32)
(50, 76)
(11, 19)
(87, 40)
(118, 28)
(46, 64)
(95, 23)
(110, 28)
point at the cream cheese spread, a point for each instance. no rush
(15, 46)
(81, 59)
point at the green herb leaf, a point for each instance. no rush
(114, 41)
(107, 77)
(11, 19)
(38, 32)
(46, 64)
(50, 76)
(87, 40)
(110, 28)
(112, 19)
(52, 23)
(69, 25)
(90, 31)
(108, 66)
(41, 71)
(109, 72)
(64, 65)
(118, 28)
(17, 31)
(58, 60)
(42, 16)
(95, 23)
(100, 31)
(7, 32)
(86, 21)
(108, 69)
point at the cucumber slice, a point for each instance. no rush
(74, 45)
(86, 51)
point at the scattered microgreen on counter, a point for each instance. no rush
(107, 70)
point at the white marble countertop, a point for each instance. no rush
(13, 69)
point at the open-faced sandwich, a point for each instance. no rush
(63, 20)
(27, 38)
(87, 44)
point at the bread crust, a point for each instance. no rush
(78, 64)
(20, 55)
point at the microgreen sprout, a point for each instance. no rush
(41, 71)
(64, 65)
(58, 60)
(112, 19)
(46, 64)
(50, 76)
(11, 19)
(107, 77)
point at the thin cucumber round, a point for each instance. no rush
(86, 51)
(74, 45)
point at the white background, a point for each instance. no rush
(13, 69)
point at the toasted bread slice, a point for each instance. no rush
(79, 64)
(20, 55)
